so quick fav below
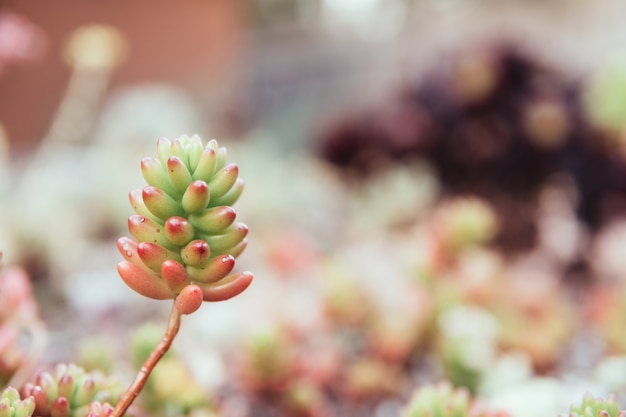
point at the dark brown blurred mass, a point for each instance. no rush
(495, 122)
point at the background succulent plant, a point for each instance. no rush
(69, 391)
(186, 236)
(595, 407)
(442, 400)
(12, 404)
(438, 401)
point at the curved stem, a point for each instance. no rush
(142, 376)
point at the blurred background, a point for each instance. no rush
(435, 190)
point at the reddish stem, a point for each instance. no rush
(142, 376)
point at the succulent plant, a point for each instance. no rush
(68, 391)
(597, 407)
(464, 222)
(442, 400)
(186, 236)
(12, 404)
(98, 409)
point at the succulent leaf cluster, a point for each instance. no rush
(597, 407)
(185, 235)
(98, 409)
(68, 391)
(440, 400)
(12, 404)
(443, 400)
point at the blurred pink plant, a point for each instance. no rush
(16, 295)
(19, 315)
(10, 353)
(20, 39)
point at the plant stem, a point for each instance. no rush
(142, 376)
